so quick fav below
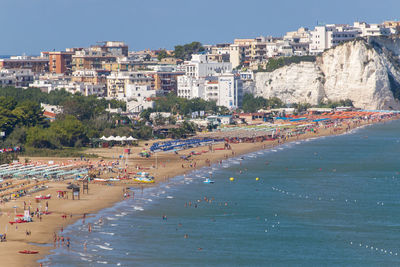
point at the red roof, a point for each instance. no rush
(49, 114)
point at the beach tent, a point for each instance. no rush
(130, 138)
(103, 138)
(110, 138)
(124, 138)
(118, 138)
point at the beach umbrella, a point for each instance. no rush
(103, 138)
(130, 138)
(73, 186)
(110, 138)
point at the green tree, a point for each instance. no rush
(185, 52)
(69, 131)
(29, 113)
(162, 54)
(39, 137)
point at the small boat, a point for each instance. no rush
(28, 251)
(19, 221)
(43, 197)
(143, 177)
(208, 181)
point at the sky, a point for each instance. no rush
(32, 26)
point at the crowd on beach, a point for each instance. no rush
(262, 136)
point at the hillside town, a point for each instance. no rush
(222, 72)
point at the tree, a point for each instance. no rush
(69, 131)
(185, 52)
(162, 54)
(29, 113)
(252, 104)
(39, 137)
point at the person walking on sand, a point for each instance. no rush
(47, 207)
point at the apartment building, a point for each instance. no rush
(330, 35)
(83, 88)
(365, 29)
(90, 76)
(59, 62)
(210, 80)
(16, 77)
(119, 82)
(226, 89)
(35, 64)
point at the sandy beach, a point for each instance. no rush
(64, 212)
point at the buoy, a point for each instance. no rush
(257, 179)
(231, 179)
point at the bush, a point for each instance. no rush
(276, 63)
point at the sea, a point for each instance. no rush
(329, 201)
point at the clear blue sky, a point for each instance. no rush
(31, 26)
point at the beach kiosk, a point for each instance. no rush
(75, 191)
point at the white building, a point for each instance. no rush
(330, 35)
(16, 77)
(118, 82)
(366, 29)
(226, 89)
(85, 89)
(191, 85)
(139, 98)
(52, 108)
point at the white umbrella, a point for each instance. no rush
(110, 138)
(118, 138)
(103, 138)
(130, 138)
(123, 138)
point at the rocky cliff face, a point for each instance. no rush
(365, 71)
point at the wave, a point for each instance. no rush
(103, 247)
(106, 233)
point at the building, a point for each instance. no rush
(90, 76)
(166, 81)
(118, 82)
(394, 26)
(85, 89)
(191, 85)
(226, 89)
(16, 77)
(330, 35)
(60, 62)
(139, 98)
(210, 80)
(35, 64)
(366, 29)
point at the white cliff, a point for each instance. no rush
(364, 71)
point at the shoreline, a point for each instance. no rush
(110, 195)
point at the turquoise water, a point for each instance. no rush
(331, 201)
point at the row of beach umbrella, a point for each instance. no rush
(118, 138)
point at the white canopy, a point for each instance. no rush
(118, 138)
(110, 138)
